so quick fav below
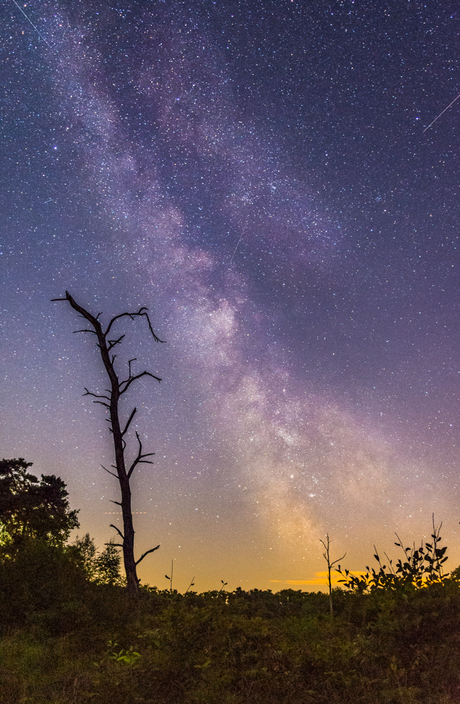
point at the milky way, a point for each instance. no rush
(259, 177)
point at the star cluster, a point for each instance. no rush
(265, 178)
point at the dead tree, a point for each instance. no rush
(330, 565)
(119, 430)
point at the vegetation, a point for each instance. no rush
(84, 644)
(102, 568)
(32, 509)
(419, 567)
(69, 634)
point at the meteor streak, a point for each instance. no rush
(29, 20)
(441, 113)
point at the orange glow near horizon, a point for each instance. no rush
(320, 580)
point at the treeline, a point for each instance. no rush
(71, 634)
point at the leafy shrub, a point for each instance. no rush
(419, 567)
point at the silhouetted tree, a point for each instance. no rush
(330, 565)
(32, 509)
(103, 567)
(111, 400)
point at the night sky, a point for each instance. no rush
(265, 178)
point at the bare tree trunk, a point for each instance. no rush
(111, 402)
(330, 565)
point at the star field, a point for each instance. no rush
(271, 181)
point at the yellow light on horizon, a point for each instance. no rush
(319, 580)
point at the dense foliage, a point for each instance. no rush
(70, 635)
(32, 509)
(100, 567)
(87, 644)
(417, 568)
(65, 639)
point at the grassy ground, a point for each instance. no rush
(229, 648)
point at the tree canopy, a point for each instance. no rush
(32, 508)
(102, 567)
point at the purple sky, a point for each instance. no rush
(258, 175)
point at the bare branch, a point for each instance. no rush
(145, 554)
(127, 382)
(142, 312)
(109, 472)
(326, 554)
(133, 413)
(93, 332)
(118, 531)
(117, 317)
(118, 503)
(140, 459)
(91, 393)
(102, 403)
(97, 397)
(134, 359)
(112, 343)
(84, 313)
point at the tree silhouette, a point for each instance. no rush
(100, 567)
(111, 400)
(32, 509)
(330, 565)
